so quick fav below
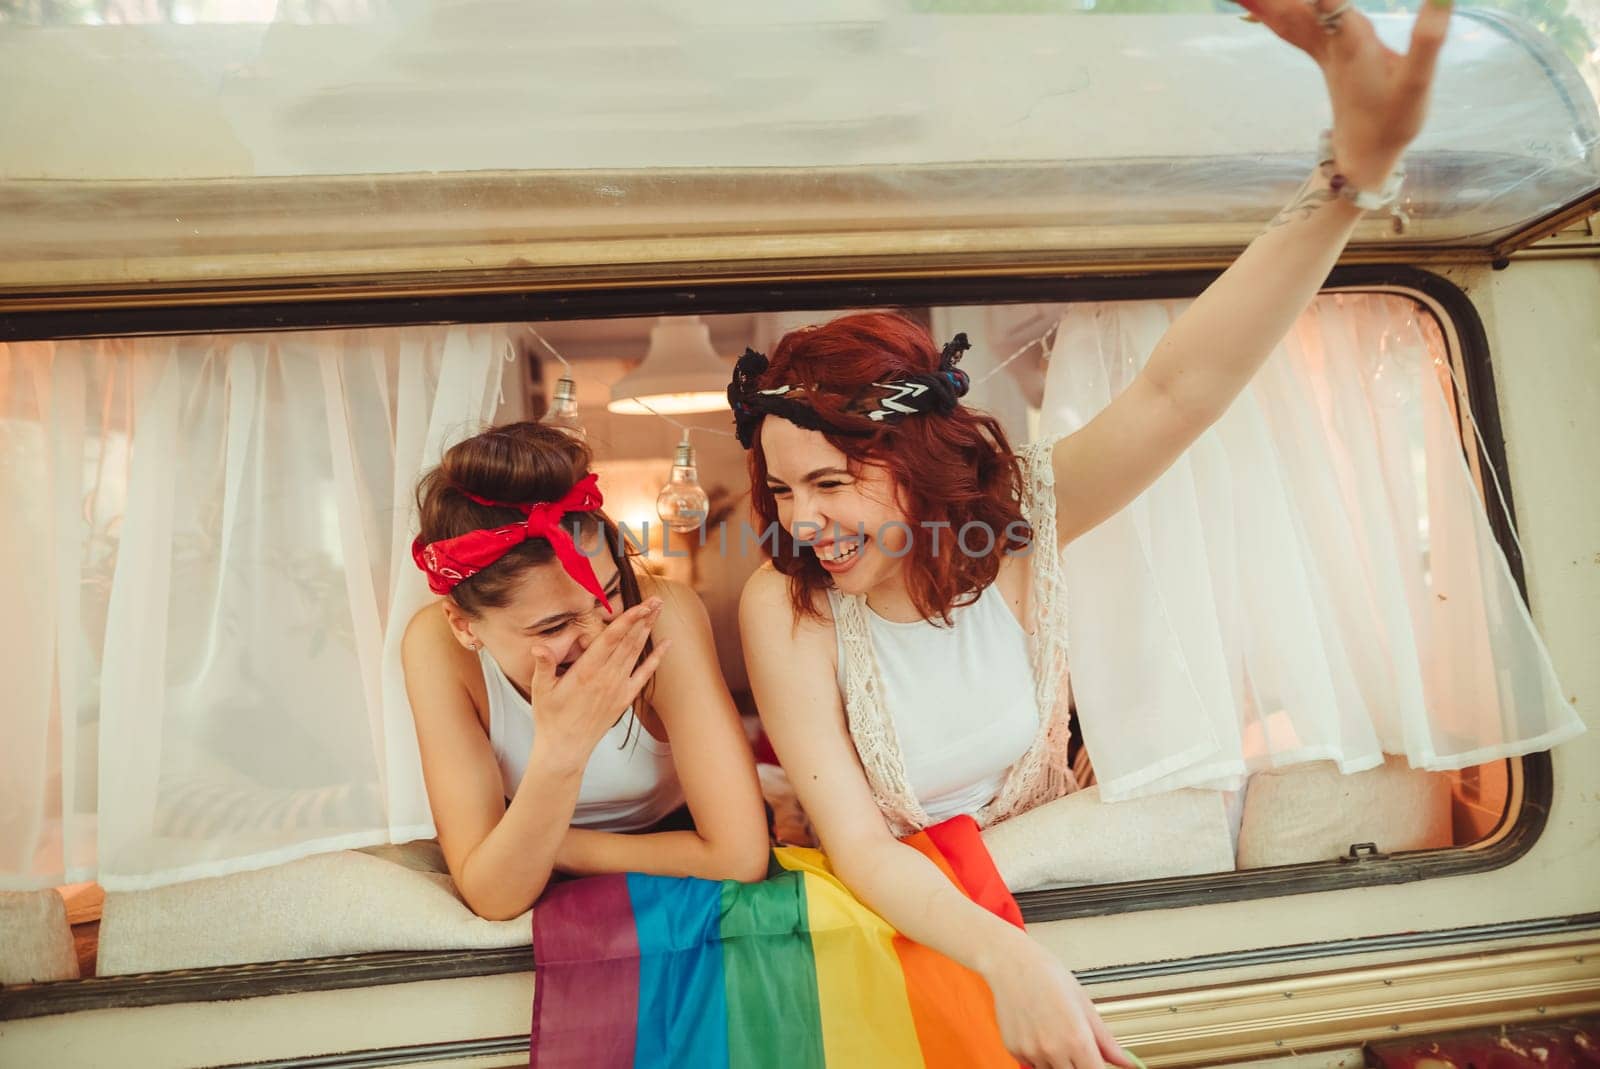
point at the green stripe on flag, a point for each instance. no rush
(770, 975)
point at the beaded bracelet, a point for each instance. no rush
(1387, 197)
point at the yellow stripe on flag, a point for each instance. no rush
(861, 988)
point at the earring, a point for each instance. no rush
(477, 646)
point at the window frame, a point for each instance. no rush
(1531, 776)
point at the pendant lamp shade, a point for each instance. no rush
(681, 372)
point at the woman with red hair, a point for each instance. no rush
(906, 644)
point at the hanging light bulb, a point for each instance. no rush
(682, 503)
(563, 411)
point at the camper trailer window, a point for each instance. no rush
(219, 693)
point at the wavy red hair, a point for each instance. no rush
(956, 468)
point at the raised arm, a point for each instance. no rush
(713, 760)
(1045, 1018)
(1211, 352)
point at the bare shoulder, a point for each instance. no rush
(427, 636)
(668, 590)
(440, 673)
(765, 591)
(682, 611)
(779, 640)
(765, 607)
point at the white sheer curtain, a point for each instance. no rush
(1315, 579)
(205, 540)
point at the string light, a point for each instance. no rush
(683, 503)
(685, 428)
(563, 411)
(1039, 341)
(565, 383)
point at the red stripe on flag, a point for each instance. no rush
(962, 846)
(586, 976)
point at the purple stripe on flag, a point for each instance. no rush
(586, 976)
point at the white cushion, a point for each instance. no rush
(1080, 839)
(1313, 812)
(35, 939)
(352, 902)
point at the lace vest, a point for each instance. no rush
(1043, 772)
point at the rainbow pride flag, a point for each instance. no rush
(651, 971)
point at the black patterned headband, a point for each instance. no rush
(879, 402)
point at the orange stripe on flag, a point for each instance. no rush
(953, 1011)
(951, 1005)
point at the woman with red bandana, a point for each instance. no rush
(917, 589)
(555, 736)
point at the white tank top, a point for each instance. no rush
(627, 786)
(961, 697)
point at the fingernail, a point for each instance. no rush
(1249, 18)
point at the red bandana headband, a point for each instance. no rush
(451, 560)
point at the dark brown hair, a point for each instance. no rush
(956, 468)
(519, 463)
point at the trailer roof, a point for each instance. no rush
(480, 135)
